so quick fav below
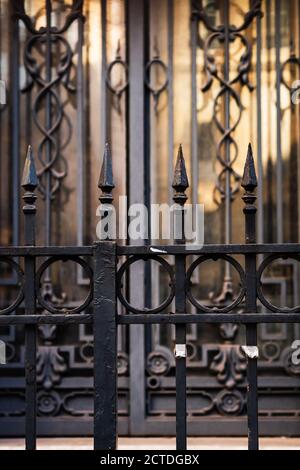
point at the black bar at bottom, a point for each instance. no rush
(105, 347)
(181, 391)
(30, 378)
(252, 399)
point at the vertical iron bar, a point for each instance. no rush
(104, 119)
(195, 160)
(249, 183)
(105, 325)
(148, 128)
(29, 183)
(279, 175)
(81, 147)
(227, 127)
(260, 213)
(180, 184)
(170, 20)
(227, 198)
(180, 336)
(170, 95)
(48, 122)
(194, 140)
(15, 127)
(252, 401)
(81, 166)
(136, 168)
(105, 347)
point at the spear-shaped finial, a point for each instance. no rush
(106, 183)
(29, 178)
(29, 183)
(249, 180)
(180, 180)
(180, 184)
(249, 183)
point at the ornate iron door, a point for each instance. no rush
(146, 76)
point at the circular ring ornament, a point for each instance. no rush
(156, 61)
(230, 403)
(214, 309)
(267, 262)
(48, 403)
(117, 90)
(271, 350)
(126, 265)
(86, 352)
(20, 280)
(153, 382)
(42, 269)
(158, 363)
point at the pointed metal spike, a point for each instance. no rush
(180, 180)
(249, 180)
(106, 182)
(29, 178)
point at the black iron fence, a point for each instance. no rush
(106, 279)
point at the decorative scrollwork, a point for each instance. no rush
(61, 308)
(122, 363)
(228, 331)
(205, 397)
(267, 262)
(77, 398)
(117, 90)
(156, 61)
(126, 265)
(210, 309)
(227, 34)
(289, 366)
(50, 365)
(292, 61)
(20, 283)
(48, 41)
(230, 365)
(86, 352)
(17, 399)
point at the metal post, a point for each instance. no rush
(180, 184)
(105, 347)
(249, 183)
(29, 183)
(105, 327)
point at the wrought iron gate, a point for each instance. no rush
(194, 72)
(106, 279)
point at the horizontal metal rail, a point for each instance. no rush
(46, 251)
(267, 248)
(145, 318)
(243, 318)
(264, 248)
(54, 319)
